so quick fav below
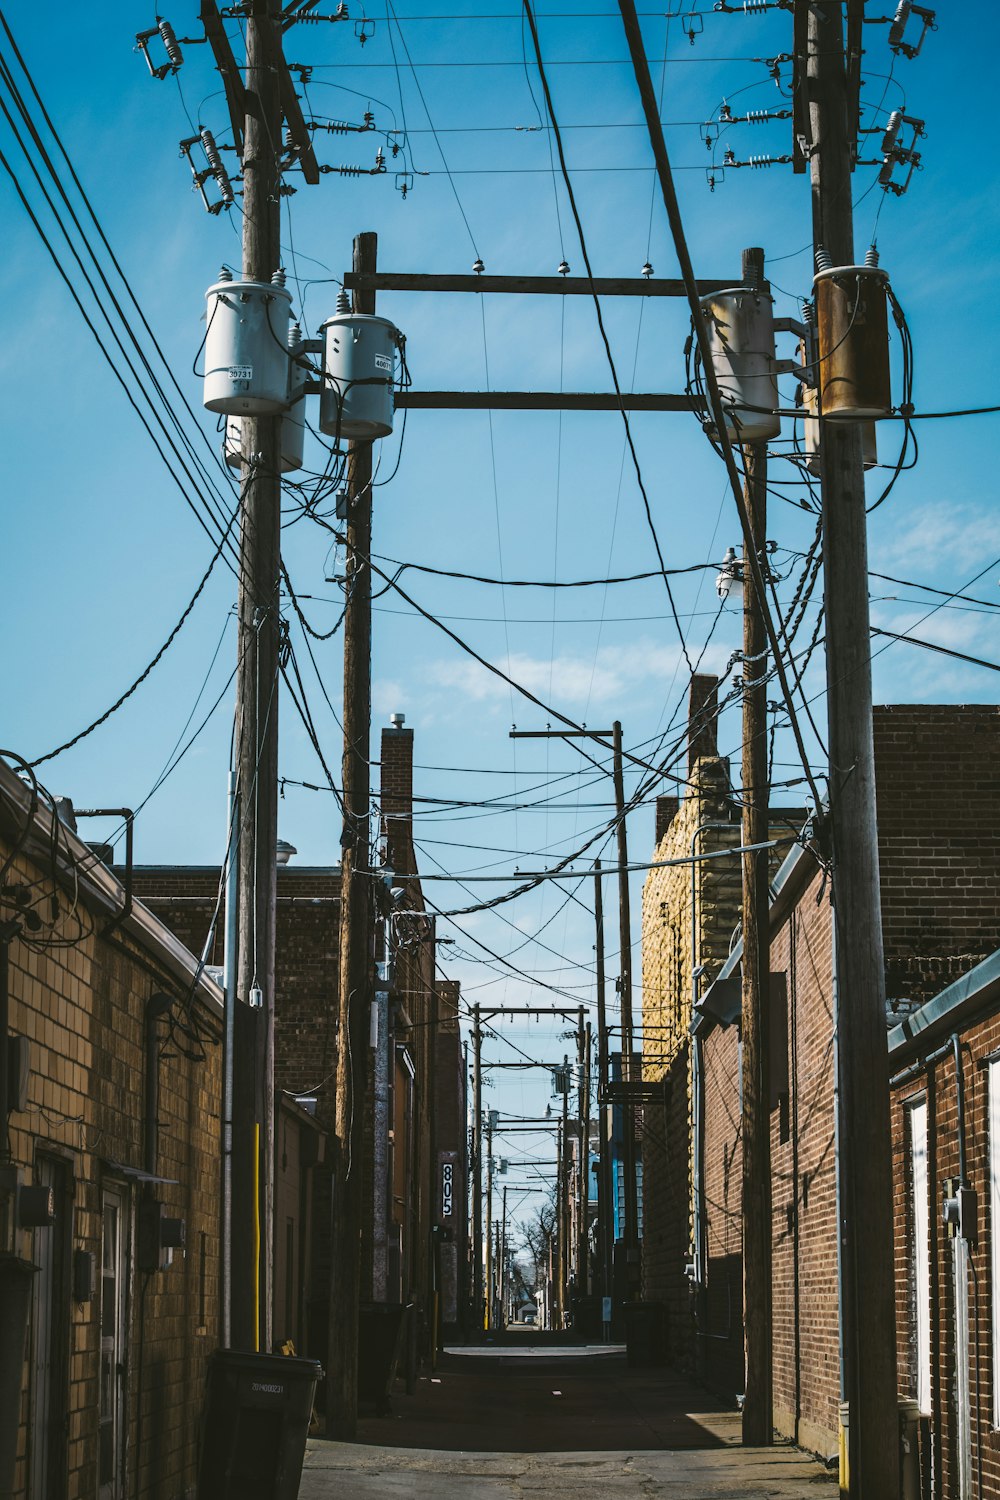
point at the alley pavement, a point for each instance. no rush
(506, 1422)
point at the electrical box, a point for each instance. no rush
(18, 1072)
(961, 1210)
(157, 1236)
(246, 348)
(84, 1275)
(359, 367)
(740, 324)
(36, 1207)
(853, 331)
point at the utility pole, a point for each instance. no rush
(756, 1113)
(583, 1187)
(477, 1173)
(502, 1317)
(631, 1196)
(357, 959)
(565, 1157)
(489, 1219)
(865, 1146)
(257, 727)
(605, 1217)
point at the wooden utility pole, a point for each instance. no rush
(605, 1215)
(488, 1231)
(631, 1193)
(583, 1186)
(357, 957)
(477, 1172)
(756, 1113)
(257, 729)
(869, 1318)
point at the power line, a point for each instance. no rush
(600, 323)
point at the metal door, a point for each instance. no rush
(50, 1340)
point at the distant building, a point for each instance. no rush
(415, 1115)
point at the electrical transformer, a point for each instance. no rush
(293, 426)
(246, 347)
(741, 338)
(811, 434)
(359, 364)
(853, 333)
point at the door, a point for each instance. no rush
(114, 1291)
(50, 1338)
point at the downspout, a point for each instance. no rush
(156, 1006)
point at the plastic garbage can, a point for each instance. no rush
(645, 1333)
(256, 1419)
(380, 1337)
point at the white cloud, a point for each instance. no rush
(940, 534)
(569, 681)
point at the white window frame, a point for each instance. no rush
(920, 1223)
(993, 1094)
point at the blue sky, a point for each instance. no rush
(103, 553)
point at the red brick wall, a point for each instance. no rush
(719, 1333)
(936, 1084)
(803, 1177)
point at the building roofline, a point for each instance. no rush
(724, 1007)
(947, 1011)
(99, 886)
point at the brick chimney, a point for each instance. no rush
(703, 705)
(666, 812)
(397, 795)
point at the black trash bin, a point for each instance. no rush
(256, 1419)
(645, 1333)
(380, 1338)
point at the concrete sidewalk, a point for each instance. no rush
(502, 1422)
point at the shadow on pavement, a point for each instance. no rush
(560, 1399)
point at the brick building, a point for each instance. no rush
(111, 1155)
(690, 917)
(412, 1064)
(939, 849)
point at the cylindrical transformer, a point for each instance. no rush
(293, 428)
(811, 435)
(741, 337)
(853, 329)
(246, 348)
(359, 364)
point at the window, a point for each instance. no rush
(920, 1251)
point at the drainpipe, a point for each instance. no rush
(129, 816)
(156, 1006)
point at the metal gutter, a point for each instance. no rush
(100, 887)
(722, 1001)
(964, 998)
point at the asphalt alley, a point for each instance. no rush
(502, 1422)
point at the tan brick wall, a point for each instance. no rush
(83, 1007)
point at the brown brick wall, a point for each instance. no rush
(938, 791)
